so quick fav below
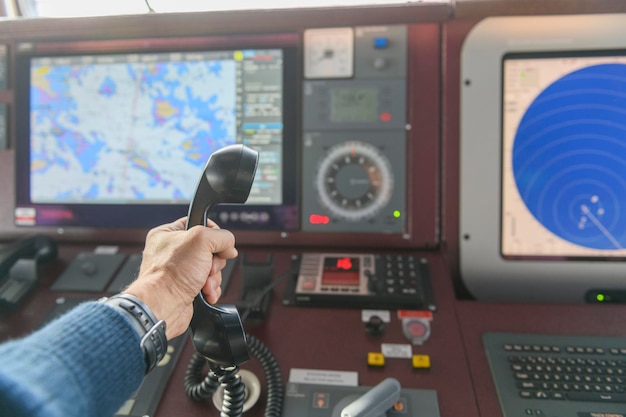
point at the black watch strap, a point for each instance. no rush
(150, 330)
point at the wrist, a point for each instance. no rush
(152, 291)
(151, 331)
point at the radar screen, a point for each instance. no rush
(564, 156)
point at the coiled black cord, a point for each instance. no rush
(275, 393)
(201, 388)
(234, 390)
(198, 387)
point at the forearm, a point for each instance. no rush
(86, 363)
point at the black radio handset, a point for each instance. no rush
(217, 331)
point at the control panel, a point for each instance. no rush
(329, 400)
(362, 281)
(345, 120)
(354, 129)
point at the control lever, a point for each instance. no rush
(217, 331)
(374, 403)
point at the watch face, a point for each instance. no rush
(329, 53)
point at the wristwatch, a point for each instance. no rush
(152, 332)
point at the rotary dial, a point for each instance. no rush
(354, 181)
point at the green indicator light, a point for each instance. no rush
(600, 297)
(396, 214)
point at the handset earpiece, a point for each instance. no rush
(217, 331)
(227, 178)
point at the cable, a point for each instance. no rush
(197, 387)
(234, 390)
(150, 9)
(275, 393)
(201, 388)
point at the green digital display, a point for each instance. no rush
(354, 105)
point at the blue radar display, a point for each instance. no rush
(569, 157)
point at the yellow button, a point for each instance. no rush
(421, 361)
(375, 359)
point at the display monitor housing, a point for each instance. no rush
(543, 146)
(115, 134)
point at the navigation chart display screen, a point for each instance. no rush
(136, 129)
(564, 155)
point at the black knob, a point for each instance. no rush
(375, 326)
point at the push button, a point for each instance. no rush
(381, 42)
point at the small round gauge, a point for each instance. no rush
(354, 181)
(329, 53)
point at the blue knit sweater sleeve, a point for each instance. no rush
(85, 363)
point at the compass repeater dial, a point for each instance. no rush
(329, 53)
(354, 181)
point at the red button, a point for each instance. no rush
(416, 328)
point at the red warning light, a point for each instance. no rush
(385, 117)
(318, 219)
(344, 263)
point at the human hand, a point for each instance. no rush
(177, 264)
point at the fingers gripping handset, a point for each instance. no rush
(217, 331)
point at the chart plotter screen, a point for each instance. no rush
(117, 136)
(564, 155)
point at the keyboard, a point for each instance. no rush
(558, 376)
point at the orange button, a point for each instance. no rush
(321, 400)
(399, 406)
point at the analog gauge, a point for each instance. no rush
(354, 181)
(329, 53)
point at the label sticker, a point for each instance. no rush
(384, 315)
(25, 216)
(323, 377)
(396, 350)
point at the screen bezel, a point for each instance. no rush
(122, 216)
(484, 272)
